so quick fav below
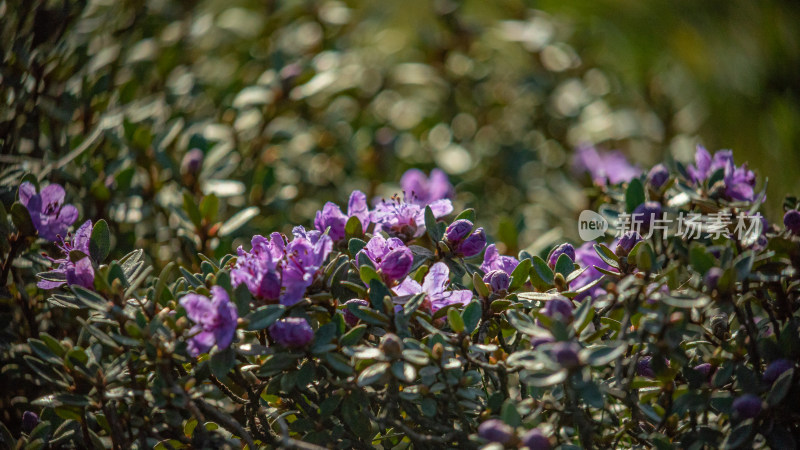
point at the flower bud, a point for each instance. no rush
(192, 161)
(458, 230)
(563, 249)
(292, 332)
(627, 242)
(792, 221)
(712, 277)
(397, 263)
(644, 368)
(437, 351)
(391, 345)
(349, 318)
(747, 406)
(497, 280)
(705, 368)
(566, 354)
(775, 369)
(29, 421)
(494, 430)
(473, 244)
(646, 213)
(535, 439)
(657, 176)
(558, 309)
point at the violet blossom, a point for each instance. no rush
(495, 430)
(49, 214)
(563, 249)
(587, 257)
(605, 167)
(497, 280)
(391, 258)
(331, 216)
(214, 319)
(80, 272)
(791, 220)
(535, 439)
(402, 218)
(424, 190)
(462, 242)
(434, 286)
(739, 181)
(292, 332)
(493, 260)
(349, 318)
(277, 270)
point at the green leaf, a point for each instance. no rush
(372, 374)
(190, 206)
(353, 228)
(354, 246)
(367, 274)
(264, 316)
(338, 362)
(324, 335)
(221, 362)
(634, 195)
(377, 291)
(739, 436)
(510, 415)
(90, 298)
(700, 259)
(541, 275)
(353, 336)
(467, 214)
(544, 378)
(22, 219)
(100, 242)
(455, 320)
(238, 220)
(602, 354)
(607, 255)
(480, 286)
(780, 388)
(430, 225)
(564, 265)
(209, 207)
(472, 316)
(404, 371)
(520, 275)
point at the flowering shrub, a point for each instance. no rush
(398, 325)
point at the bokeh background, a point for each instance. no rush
(295, 103)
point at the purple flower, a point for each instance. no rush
(434, 286)
(791, 220)
(214, 319)
(398, 217)
(563, 249)
(463, 243)
(627, 242)
(587, 257)
(747, 406)
(292, 332)
(49, 214)
(604, 167)
(644, 367)
(274, 270)
(646, 213)
(391, 257)
(492, 260)
(559, 309)
(494, 430)
(775, 369)
(711, 279)
(566, 354)
(79, 272)
(657, 176)
(497, 280)
(29, 421)
(422, 190)
(458, 230)
(535, 439)
(192, 161)
(332, 216)
(350, 318)
(739, 181)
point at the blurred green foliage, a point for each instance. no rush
(298, 103)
